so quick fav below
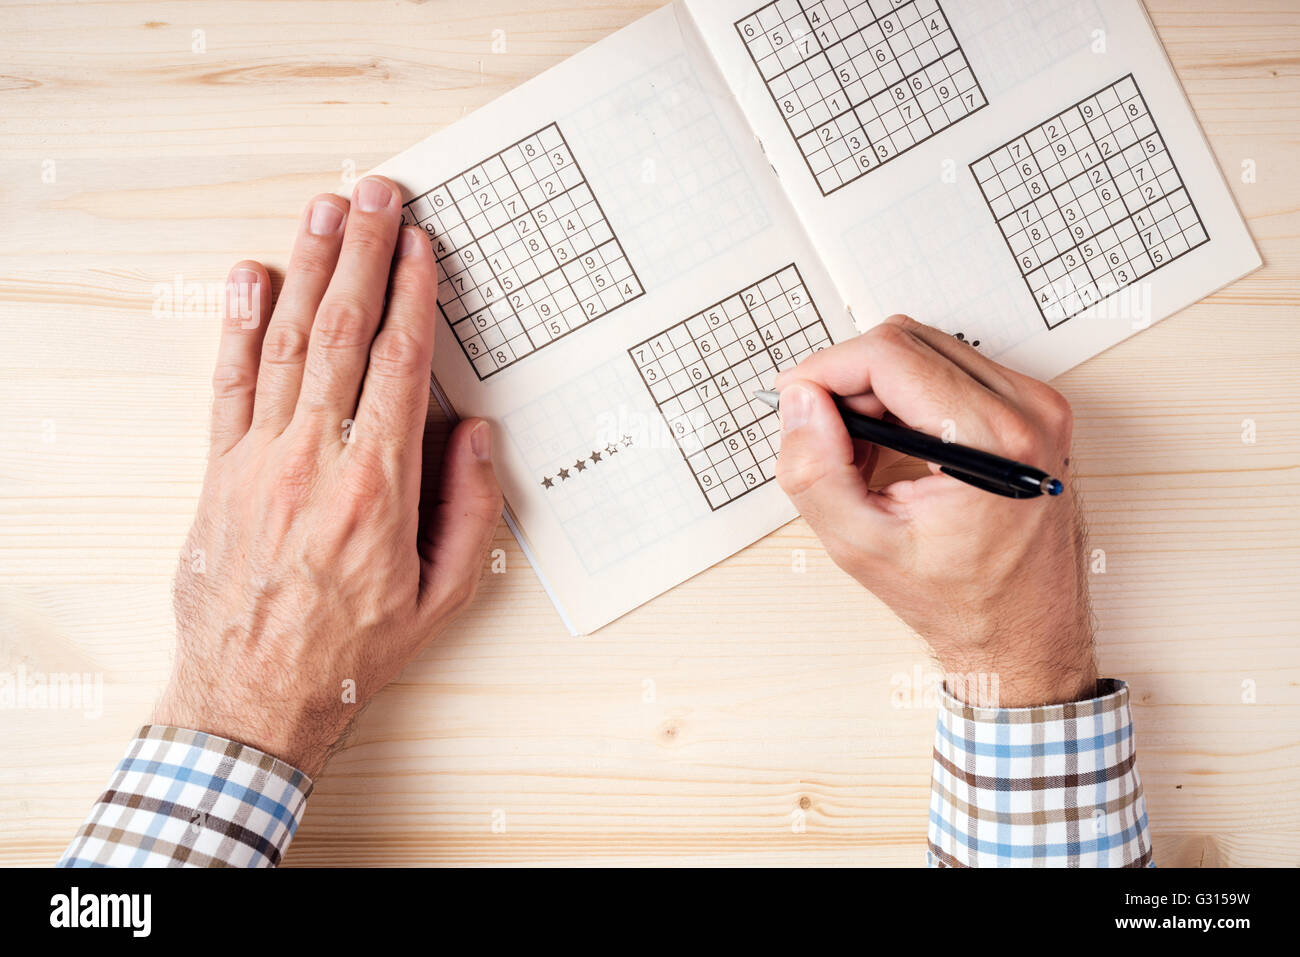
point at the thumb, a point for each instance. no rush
(461, 519)
(816, 469)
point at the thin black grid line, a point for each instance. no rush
(493, 231)
(854, 107)
(1060, 212)
(762, 418)
(879, 162)
(475, 240)
(586, 274)
(495, 155)
(531, 284)
(1173, 165)
(746, 404)
(1103, 157)
(1083, 171)
(1055, 116)
(1077, 243)
(528, 211)
(744, 445)
(500, 366)
(843, 89)
(1095, 188)
(822, 48)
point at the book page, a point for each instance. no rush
(619, 270)
(1026, 174)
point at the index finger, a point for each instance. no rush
(916, 383)
(395, 394)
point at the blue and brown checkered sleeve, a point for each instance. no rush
(187, 799)
(1051, 786)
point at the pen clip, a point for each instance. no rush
(986, 485)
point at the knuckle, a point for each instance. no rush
(889, 336)
(400, 591)
(365, 479)
(415, 282)
(233, 380)
(285, 344)
(342, 322)
(489, 504)
(314, 257)
(838, 552)
(797, 475)
(295, 480)
(1056, 410)
(902, 321)
(1018, 439)
(398, 354)
(371, 239)
(455, 593)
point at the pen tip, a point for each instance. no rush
(768, 397)
(1053, 486)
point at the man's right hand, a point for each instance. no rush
(997, 586)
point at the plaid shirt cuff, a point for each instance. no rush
(1053, 786)
(187, 799)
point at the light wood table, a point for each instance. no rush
(703, 726)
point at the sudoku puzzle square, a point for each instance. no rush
(703, 374)
(860, 81)
(1089, 201)
(525, 255)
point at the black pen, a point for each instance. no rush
(986, 471)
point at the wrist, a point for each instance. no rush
(994, 689)
(299, 737)
(1024, 672)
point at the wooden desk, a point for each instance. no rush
(694, 729)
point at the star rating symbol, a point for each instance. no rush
(597, 455)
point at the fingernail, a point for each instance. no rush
(410, 241)
(243, 276)
(373, 195)
(242, 300)
(480, 440)
(325, 218)
(796, 407)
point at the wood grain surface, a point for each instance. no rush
(703, 726)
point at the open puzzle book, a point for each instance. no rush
(635, 241)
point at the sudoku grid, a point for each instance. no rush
(1042, 32)
(703, 373)
(619, 495)
(859, 82)
(940, 263)
(525, 255)
(1089, 201)
(670, 168)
